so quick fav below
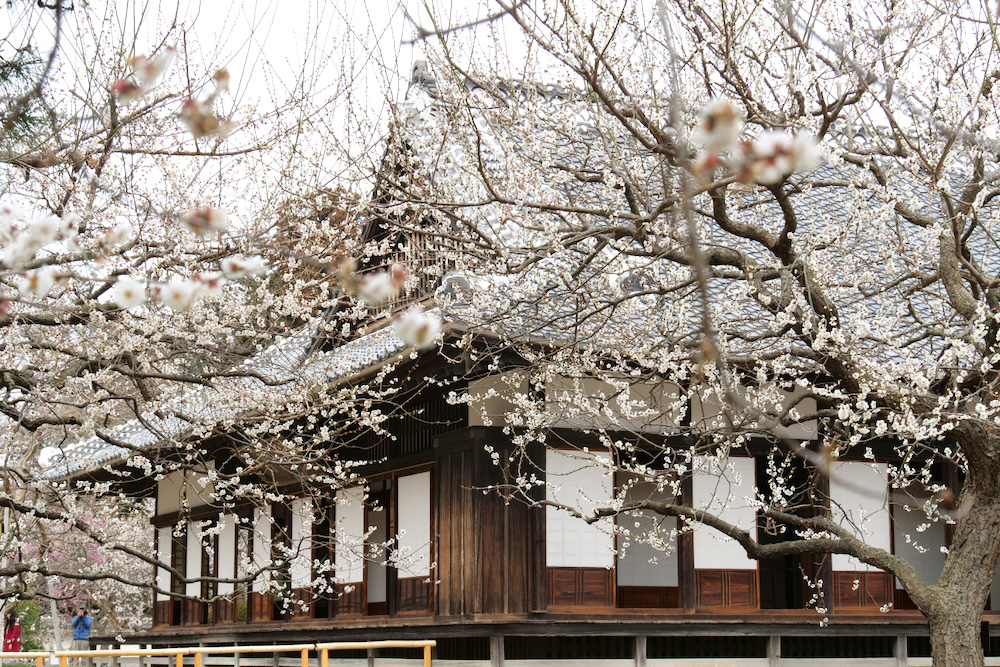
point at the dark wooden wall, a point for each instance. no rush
(862, 590)
(490, 553)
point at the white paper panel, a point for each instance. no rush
(227, 552)
(651, 408)
(350, 532)
(163, 543)
(193, 558)
(859, 502)
(578, 402)
(706, 412)
(168, 493)
(919, 541)
(195, 489)
(589, 403)
(492, 399)
(301, 566)
(413, 515)
(261, 543)
(805, 430)
(641, 564)
(573, 479)
(726, 492)
(378, 530)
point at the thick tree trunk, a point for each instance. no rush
(955, 639)
(954, 606)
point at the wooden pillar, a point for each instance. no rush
(774, 651)
(685, 552)
(639, 649)
(900, 651)
(496, 650)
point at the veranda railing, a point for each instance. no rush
(322, 650)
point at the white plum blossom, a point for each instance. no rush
(720, 126)
(221, 78)
(44, 230)
(178, 295)
(129, 293)
(37, 283)
(19, 251)
(381, 286)
(201, 122)
(774, 155)
(207, 220)
(118, 235)
(69, 230)
(148, 70)
(9, 215)
(208, 283)
(128, 90)
(11, 212)
(377, 288)
(238, 266)
(418, 328)
(145, 72)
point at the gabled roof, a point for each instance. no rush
(562, 153)
(541, 303)
(285, 366)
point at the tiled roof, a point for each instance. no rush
(542, 303)
(283, 362)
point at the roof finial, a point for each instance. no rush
(421, 72)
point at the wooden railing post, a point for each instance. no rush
(427, 656)
(324, 658)
(305, 657)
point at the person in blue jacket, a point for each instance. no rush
(81, 632)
